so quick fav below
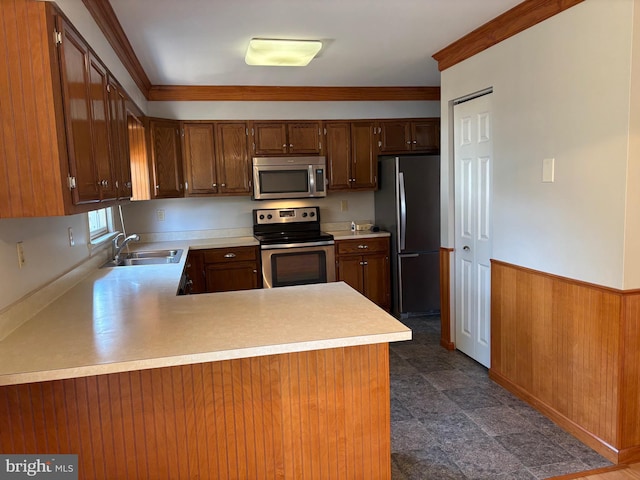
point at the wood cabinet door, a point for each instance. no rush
(98, 96)
(74, 62)
(304, 138)
(194, 268)
(231, 276)
(199, 159)
(166, 159)
(233, 158)
(338, 152)
(426, 135)
(364, 156)
(350, 271)
(376, 278)
(119, 137)
(270, 138)
(395, 136)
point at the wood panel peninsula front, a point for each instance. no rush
(284, 383)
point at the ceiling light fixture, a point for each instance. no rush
(281, 53)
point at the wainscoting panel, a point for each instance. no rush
(570, 348)
(319, 414)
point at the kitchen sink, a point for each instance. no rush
(146, 257)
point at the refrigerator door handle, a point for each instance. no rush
(403, 210)
(409, 255)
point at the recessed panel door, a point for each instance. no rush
(473, 237)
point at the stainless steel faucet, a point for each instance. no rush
(118, 248)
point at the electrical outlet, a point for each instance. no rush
(160, 215)
(72, 242)
(20, 249)
(344, 206)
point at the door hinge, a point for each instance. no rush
(57, 37)
(246, 132)
(71, 181)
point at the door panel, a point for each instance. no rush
(304, 138)
(364, 166)
(473, 234)
(166, 159)
(234, 162)
(421, 177)
(199, 158)
(338, 152)
(376, 279)
(419, 283)
(270, 138)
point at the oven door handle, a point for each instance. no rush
(278, 246)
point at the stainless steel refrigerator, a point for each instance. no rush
(407, 204)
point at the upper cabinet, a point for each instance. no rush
(62, 154)
(216, 157)
(287, 138)
(410, 136)
(166, 159)
(352, 155)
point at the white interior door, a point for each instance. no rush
(473, 239)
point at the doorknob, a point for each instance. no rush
(466, 248)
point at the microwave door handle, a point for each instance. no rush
(312, 181)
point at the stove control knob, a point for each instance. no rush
(313, 214)
(269, 217)
(304, 214)
(261, 217)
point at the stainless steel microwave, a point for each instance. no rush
(289, 177)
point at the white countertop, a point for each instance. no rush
(129, 318)
(348, 234)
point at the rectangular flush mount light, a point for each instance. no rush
(282, 53)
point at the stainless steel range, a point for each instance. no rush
(293, 249)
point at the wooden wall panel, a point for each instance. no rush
(559, 343)
(445, 298)
(321, 414)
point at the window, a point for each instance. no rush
(100, 223)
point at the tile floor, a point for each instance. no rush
(449, 421)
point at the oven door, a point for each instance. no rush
(297, 264)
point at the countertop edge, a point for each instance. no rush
(162, 362)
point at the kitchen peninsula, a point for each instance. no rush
(276, 383)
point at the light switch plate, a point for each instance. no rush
(548, 170)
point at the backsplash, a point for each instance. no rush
(232, 216)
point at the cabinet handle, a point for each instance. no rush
(157, 187)
(128, 184)
(223, 184)
(255, 271)
(291, 145)
(363, 246)
(363, 263)
(229, 255)
(409, 142)
(214, 185)
(284, 146)
(415, 141)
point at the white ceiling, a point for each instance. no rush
(366, 42)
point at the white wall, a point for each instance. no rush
(561, 90)
(291, 110)
(221, 213)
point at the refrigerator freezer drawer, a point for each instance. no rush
(419, 283)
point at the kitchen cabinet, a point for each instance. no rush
(216, 157)
(58, 155)
(351, 151)
(410, 136)
(287, 138)
(119, 139)
(234, 268)
(166, 159)
(194, 270)
(364, 265)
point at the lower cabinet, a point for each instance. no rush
(224, 269)
(364, 265)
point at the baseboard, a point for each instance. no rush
(447, 345)
(587, 473)
(629, 455)
(603, 448)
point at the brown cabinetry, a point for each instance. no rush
(407, 136)
(224, 269)
(287, 138)
(216, 157)
(364, 264)
(60, 153)
(166, 159)
(351, 150)
(119, 139)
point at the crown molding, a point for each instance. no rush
(280, 94)
(512, 22)
(105, 17)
